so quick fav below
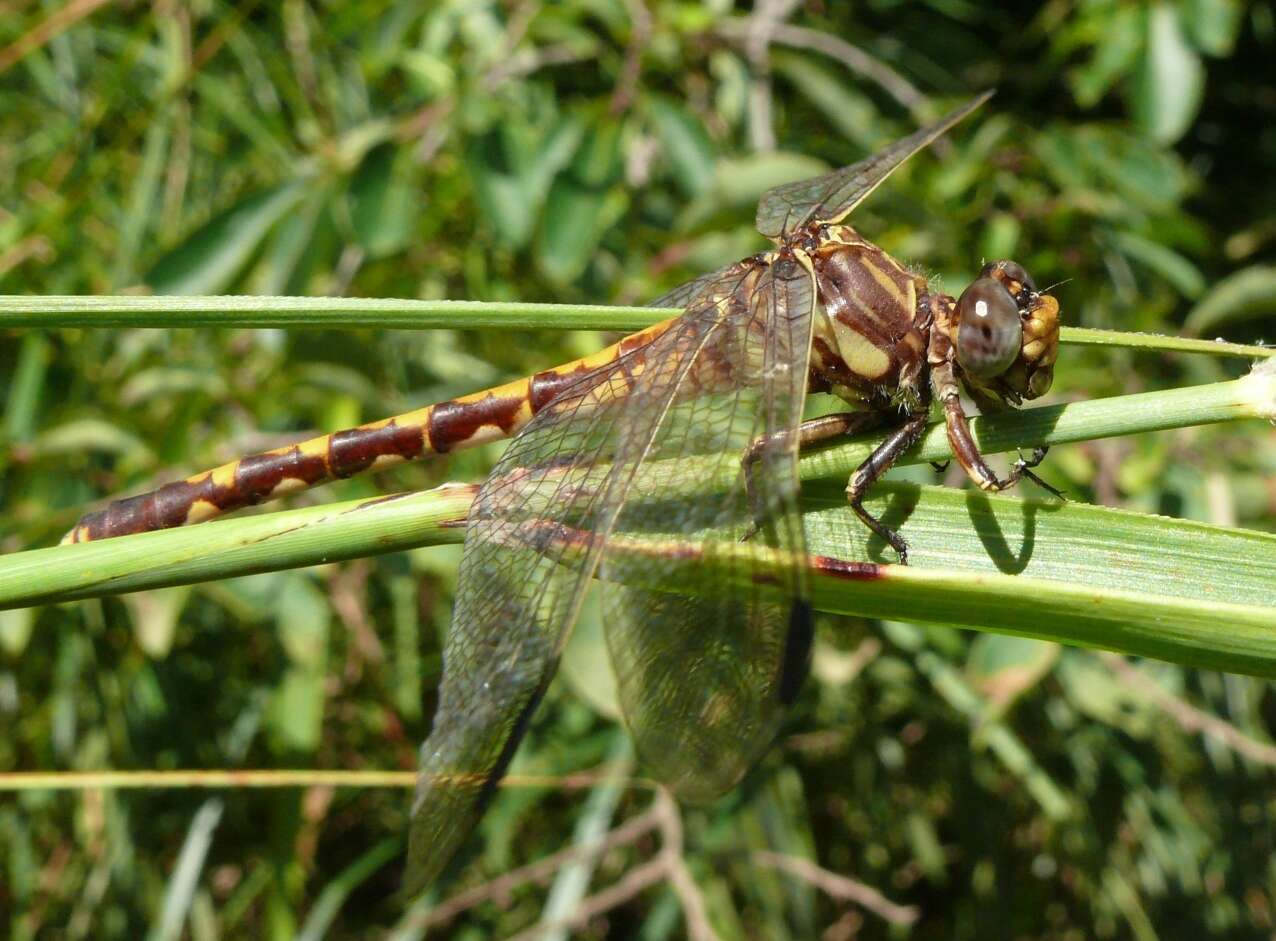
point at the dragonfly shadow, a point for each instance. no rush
(1028, 426)
(988, 528)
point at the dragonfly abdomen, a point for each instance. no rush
(453, 425)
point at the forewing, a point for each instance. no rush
(831, 197)
(531, 546)
(703, 678)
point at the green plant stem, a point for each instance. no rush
(316, 312)
(18, 311)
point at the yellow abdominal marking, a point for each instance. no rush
(202, 510)
(288, 485)
(316, 447)
(223, 477)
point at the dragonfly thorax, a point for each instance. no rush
(869, 338)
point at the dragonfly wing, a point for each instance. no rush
(704, 678)
(831, 197)
(684, 294)
(532, 544)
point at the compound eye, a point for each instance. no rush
(989, 332)
(1011, 271)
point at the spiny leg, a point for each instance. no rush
(1024, 469)
(877, 464)
(810, 432)
(977, 469)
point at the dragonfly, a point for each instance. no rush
(685, 433)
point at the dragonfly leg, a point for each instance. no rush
(872, 470)
(977, 469)
(810, 432)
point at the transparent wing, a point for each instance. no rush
(703, 679)
(684, 294)
(537, 527)
(831, 197)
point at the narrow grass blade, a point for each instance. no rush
(314, 312)
(190, 863)
(309, 536)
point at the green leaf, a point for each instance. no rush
(1003, 668)
(90, 435)
(1171, 81)
(289, 246)
(586, 664)
(210, 258)
(26, 385)
(155, 615)
(685, 144)
(512, 175)
(296, 710)
(304, 615)
(385, 205)
(1166, 262)
(1247, 294)
(15, 630)
(846, 109)
(575, 219)
(738, 182)
(140, 212)
(502, 198)
(1094, 690)
(1115, 55)
(327, 906)
(597, 162)
(1213, 24)
(582, 205)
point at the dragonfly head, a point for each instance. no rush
(1006, 335)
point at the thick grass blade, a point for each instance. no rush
(227, 548)
(1173, 589)
(1186, 592)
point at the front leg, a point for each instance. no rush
(872, 470)
(972, 461)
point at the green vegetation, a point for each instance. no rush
(585, 153)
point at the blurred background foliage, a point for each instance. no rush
(604, 150)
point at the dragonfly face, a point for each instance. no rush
(1005, 334)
